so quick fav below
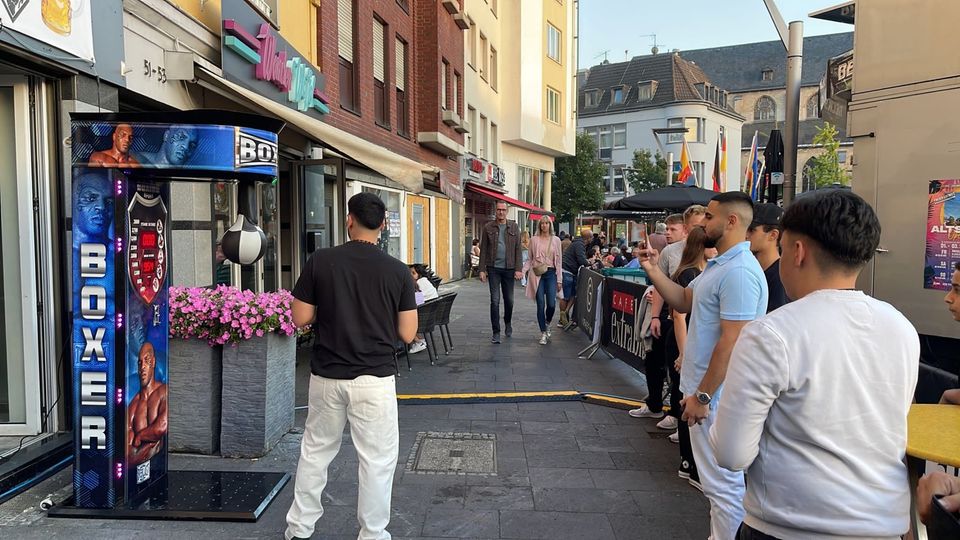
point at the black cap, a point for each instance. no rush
(766, 214)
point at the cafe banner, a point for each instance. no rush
(623, 321)
(588, 301)
(64, 24)
(943, 233)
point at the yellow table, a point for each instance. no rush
(933, 434)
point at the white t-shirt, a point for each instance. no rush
(427, 288)
(671, 256)
(815, 409)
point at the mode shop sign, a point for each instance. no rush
(474, 169)
(256, 57)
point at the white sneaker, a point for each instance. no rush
(675, 437)
(549, 333)
(668, 422)
(644, 412)
(418, 346)
(543, 338)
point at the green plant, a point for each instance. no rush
(578, 181)
(826, 169)
(649, 171)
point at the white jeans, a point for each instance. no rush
(370, 403)
(724, 488)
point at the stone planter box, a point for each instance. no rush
(259, 378)
(194, 396)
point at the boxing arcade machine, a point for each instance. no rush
(122, 165)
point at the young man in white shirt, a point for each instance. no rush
(817, 394)
(729, 293)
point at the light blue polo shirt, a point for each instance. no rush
(732, 287)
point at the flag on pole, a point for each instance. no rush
(723, 160)
(752, 173)
(716, 169)
(687, 174)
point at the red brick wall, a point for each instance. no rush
(426, 23)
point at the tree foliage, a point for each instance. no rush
(578, 181)
(826, 169)
(649, 171)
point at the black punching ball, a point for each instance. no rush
(244, 242)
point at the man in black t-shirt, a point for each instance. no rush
(366, 303)
(764, 237)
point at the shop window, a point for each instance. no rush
(390, 235)
(380, 91)
(346, 44)
(400, 50)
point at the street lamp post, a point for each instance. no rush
(792, 38)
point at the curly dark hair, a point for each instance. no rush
(840, 222)
(368, 210)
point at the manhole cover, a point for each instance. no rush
(454, 453)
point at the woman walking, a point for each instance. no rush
(541, 270)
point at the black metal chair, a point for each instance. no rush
(443, 319)
(427, 321)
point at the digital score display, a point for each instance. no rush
(148, 266)
(148, 240)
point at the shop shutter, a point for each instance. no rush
(345, 28)
(378, 52)
(401, 53)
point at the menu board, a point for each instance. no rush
(943, 233)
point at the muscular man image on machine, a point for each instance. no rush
(147, 413)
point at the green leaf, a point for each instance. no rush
(578, 182)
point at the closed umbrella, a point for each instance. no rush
(773, 162)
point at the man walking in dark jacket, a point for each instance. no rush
(501, 263)
(574, 257)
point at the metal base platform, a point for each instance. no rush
(194, 496)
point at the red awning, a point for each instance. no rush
(535, 211)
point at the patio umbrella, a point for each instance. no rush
(773, 162)
(673, 197)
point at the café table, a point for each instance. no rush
(933, 434)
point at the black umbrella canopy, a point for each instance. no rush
(672, 197)
(773, 153)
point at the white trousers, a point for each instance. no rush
(370, 404)
(723, 488)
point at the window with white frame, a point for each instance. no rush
(675, 123)
(605, 146)
(494, 144)
(484, 58)
(618, 184)
(646, 90)
(553, 105)
(472, 48)
(618, 95)
(695, 129)
(553, 42)
(470, 140)
(444, 67)
(482, 137)
(620, 136)
(591, 98)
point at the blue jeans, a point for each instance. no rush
(546, 298)
(500, 280)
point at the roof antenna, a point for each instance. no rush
(654, 49)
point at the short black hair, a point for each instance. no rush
(843, 225)
(956, 266)
(368, 209)
(740, 200)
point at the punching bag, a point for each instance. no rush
(244, 242)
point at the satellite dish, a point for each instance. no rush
(654, 50)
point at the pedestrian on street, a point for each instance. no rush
(729, 293)
(806, 413)
(352, 367)
(764, 237)
(574, 257)
(541, 271)
(502, 264)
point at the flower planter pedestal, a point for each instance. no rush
(193, 396)
(259, 377)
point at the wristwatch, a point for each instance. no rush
(703, 397)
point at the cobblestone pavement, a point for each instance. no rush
(563, 469)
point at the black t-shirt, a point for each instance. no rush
(684, 279)
(777, 295)
(359, 291)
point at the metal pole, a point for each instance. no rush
(794, 65)
(669, 168)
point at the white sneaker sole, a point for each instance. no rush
(652, 415)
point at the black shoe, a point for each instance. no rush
(495, 338)
(684, 470)
(508, 331)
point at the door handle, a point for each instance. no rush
(881, 250)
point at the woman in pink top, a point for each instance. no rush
(544, 252)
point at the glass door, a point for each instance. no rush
(19, 356)
(317, 203)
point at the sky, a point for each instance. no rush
(618, 25)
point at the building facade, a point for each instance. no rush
(520, 106)
(755, 76)
(620, 104)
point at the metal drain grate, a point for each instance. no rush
(454, 454)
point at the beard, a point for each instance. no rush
(710, 241)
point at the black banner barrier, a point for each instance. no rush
(621, 336)
(588, 301)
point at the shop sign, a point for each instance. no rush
(474, 169)
(64, 24)
(261, 61)
(840, 76)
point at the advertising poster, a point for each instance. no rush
(623, 321)
(588, 303)
(147, 263)
(64, 24)
(943, 234)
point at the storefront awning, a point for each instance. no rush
(404, 171)
(535, 211)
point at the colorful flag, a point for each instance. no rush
(716, 169)
(687, 174)
(723, 160)
(752, 173)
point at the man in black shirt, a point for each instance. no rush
(367, 303)
(764, 237)
(574, 257)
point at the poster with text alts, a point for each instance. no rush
(943, 233)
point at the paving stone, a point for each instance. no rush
(549, 477)
(618, 479)
(572, 460)
(602, 444)
(584, 500)
(499, 498)
(555, 525)
(462, 523)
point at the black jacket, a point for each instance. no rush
(575, 256)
